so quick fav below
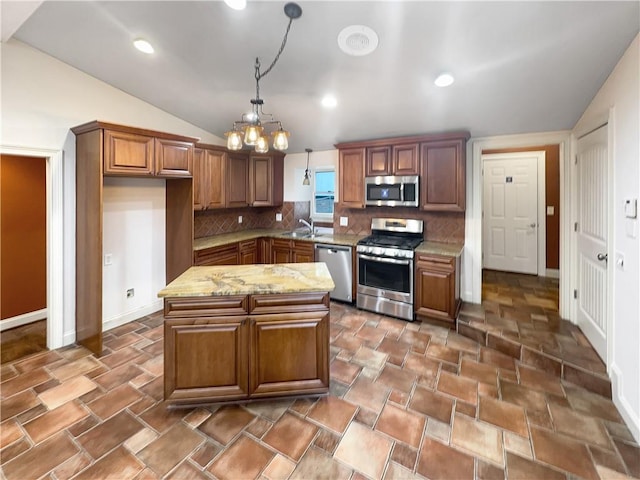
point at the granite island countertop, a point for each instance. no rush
(250, 280)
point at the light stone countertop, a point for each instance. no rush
(228, 238)
(250, 279)
(437, 248)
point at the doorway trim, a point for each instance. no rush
(541, 229)
(471, 290)
(55, 238)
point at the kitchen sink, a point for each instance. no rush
(297, 234)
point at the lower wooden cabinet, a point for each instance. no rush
(281, 250)
(302, 252)
(437, 287)
(222, 255)
(248, 252)
(239, 348)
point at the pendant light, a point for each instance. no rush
(251, 128)
(307, 180)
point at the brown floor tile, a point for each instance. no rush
(581, 427)
(117, 464)
(397, 379)
(259, 427)
(102, 438)
(371, 334)
(422, 365)
(114, 401)
(404, 455)
(541, 361)
(17, 404)
(497, 359)
(170, 448)
(118, 376)
(479, 371)
(226, 423)
(245, 458)
(561, 452)
(444, 353)
(432, 404)
(404, 426)
(318, 464)
(9, 433)
(279, 468)
(78, 367)
(72, 466)
(332, 413)
(441, 462)
(487, 471)
(525, 397)
(518, 445)
(631, 456)
(364, 450)
(55, 420)
(140, 440)
(34, 362)
(480, 438)
(466, 409)
(270, 409)
(186, 470)
(369, 358)
(460, 387)
(161, 418)
(344, 372)
(504, 415)
(327, 441)
(366, 417)
(15, 449)
(395, 471)
(519, 468)
(607, 458)
(291, 436)
(368, 394)
(40, 459)
(532, 378)
(24, 381)
(595, 383)
(592, 404)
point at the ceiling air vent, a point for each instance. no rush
(357, 40)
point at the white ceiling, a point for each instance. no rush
(519, 66)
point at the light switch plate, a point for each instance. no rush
(278, 217)
(108, 259)
(344, 221)
(550, 210)
(631, 208)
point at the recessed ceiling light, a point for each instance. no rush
(142, 45)
(236, 4)
(444, 80)
(357, 40)
(329, 101)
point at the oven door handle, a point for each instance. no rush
(384, 260)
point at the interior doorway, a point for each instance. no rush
(23, 270)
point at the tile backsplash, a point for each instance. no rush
(214, 222)
(445, 227)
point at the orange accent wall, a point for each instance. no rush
(552, 196)
(23, 235)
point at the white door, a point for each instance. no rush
(592, 167)
(510, 212)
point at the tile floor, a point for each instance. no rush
(408, 400)
(21, 341)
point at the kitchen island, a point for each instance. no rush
(245, 332)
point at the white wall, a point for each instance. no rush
(294, 166)
(42, 98)
(620, 97)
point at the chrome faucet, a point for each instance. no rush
(308, 225)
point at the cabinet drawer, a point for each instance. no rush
(282, 243)
(282, 303)
(436, 261)
(189, 307)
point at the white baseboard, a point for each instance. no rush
(631, 418)
(23, 319)
(552, 273)
(133, 315)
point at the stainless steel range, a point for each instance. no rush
(385, 266)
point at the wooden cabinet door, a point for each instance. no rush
(264, 250)
(208, 358)
(237, 180)
(302, 252)
(173, 158)
(248, 252)
(215, 164)
(405, 159)
(436, 287)
(378, 161)
(200, 184)
(128, 154)
(442, 168)
(261, 180)
(351, 181)
(289, 353)
(281, 251)
(223, 255)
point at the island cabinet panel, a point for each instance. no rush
(208, 359)
(289, 354)
(437, 287)
(243, 347)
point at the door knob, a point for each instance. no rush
(603, 256)
(532, 225)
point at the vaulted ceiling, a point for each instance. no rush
(519, 66)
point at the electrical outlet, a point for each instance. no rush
(344, 221)
(130, 292)
(108, 259)
(278, 217)
(239, 218)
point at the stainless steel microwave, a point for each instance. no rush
(392, 191)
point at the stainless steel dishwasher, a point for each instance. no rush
(339, 262)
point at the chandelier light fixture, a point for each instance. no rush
(306, 180)
(251, 129)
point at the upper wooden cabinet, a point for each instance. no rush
(209, 180)
(237, 179)
(351, 173)
(266, 172)
(401, 159)
(442, 175)
(439, 159)
(129, 153)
